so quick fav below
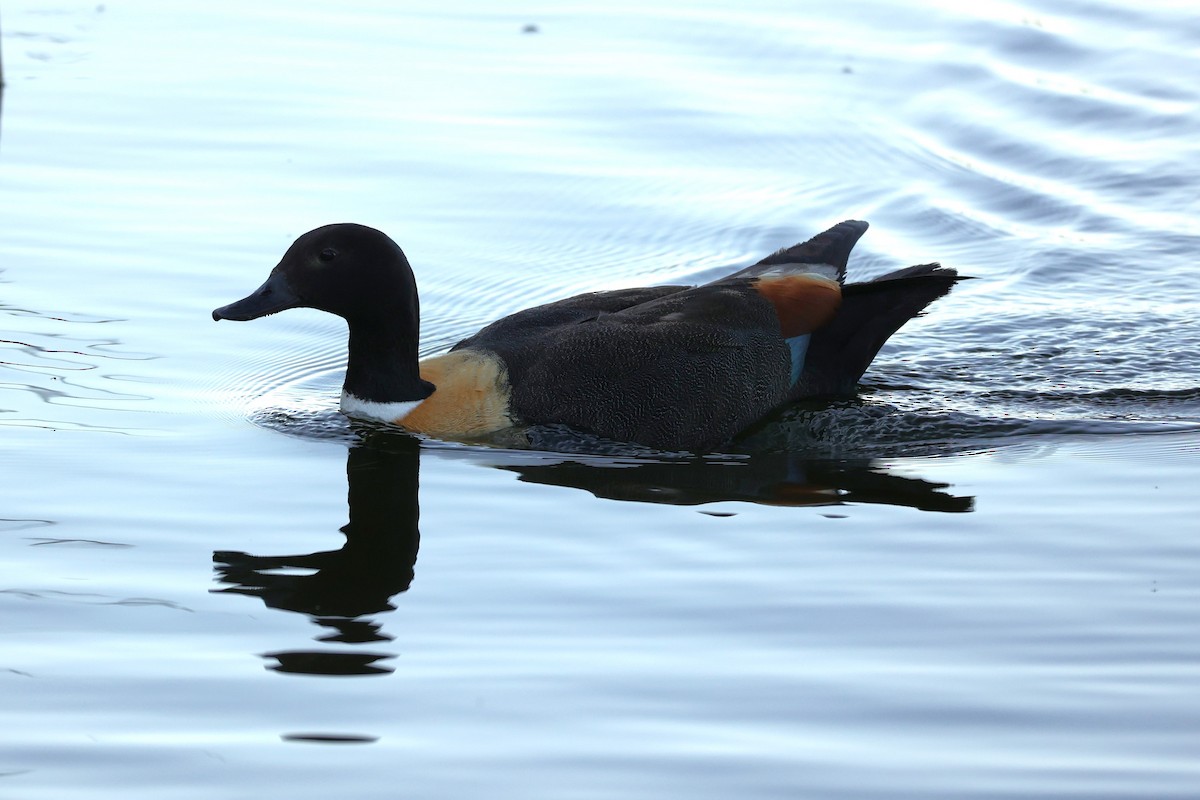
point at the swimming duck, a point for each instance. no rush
(670, 367)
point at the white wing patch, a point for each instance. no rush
(824, 271)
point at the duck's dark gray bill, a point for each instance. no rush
(274, 295)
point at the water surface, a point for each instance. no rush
(976, 579)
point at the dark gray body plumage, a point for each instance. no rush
(689, 368)
(668, 367)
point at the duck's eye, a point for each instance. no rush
(328, 254)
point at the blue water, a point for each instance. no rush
(976, 579)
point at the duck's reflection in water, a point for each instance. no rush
(780, 479)
(342, 589)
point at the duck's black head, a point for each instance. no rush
(350, 270)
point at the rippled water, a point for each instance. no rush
(976, 579)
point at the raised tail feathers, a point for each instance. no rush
(839, 352)
(831, 247)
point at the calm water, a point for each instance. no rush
(979, 579)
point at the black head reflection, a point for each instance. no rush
(341, 589)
